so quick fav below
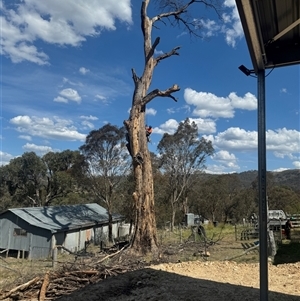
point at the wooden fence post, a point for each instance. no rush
(54, 257)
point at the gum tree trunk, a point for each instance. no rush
(176, 11)
(145, 234)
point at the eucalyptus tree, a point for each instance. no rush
(25, 177)
(182, 158)
(178, 12)
(62, 176)
(107, 161)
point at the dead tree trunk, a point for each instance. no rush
(145, 235)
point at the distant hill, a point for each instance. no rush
(289, 178)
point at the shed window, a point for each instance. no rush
(20, 232)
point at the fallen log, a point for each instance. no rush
(44, 287)
(111, 255)
(20, 288)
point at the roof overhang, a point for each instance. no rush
(272, 31)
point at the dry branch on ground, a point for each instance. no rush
(69, 278)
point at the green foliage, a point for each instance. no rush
(182, 157)
(107, 161)
(33, 181)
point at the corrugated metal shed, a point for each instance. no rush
(36, 231)
(61, 218)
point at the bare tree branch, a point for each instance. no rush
(168, 54)
(135, 77)
(157, 92)
(177, 9)
(173, 13)
(151, 52)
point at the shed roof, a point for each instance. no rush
(272, 31)
(64, 217)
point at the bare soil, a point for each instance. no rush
(182, 272)
(203, 278)
(195, 281)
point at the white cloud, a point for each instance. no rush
(234, 139)
(5, 158)
(65, 22)
(38, 149)
(151, 111)
(206, 126)
(210, 105)
(232, 28)
(182, 34)
(25, 137)
(89, 117)
(170, 126)
(60, 99)
(216, 169)
(87, 124)
(171, 111)
(282, 142)
(280, 169)
(103, 99)
(83, 70)
(67, 81)
(297, 164)
(55, 128)
(70, 94)
(209, 27)
(158, 52)
(226, 159)
(248, 102)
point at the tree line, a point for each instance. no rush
(101, 171)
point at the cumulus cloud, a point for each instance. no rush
(5, 158)
(83, 70)
(282, 142)
(55, 128)
(170, 126)
(38, 149)
(210, 105)
(70, 94)
(60, 99)
(235, 138)
(32, 20)
(297, 164)
(206, 126)
(151, 111)
(226, 159)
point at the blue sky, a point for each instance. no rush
(66, 70)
